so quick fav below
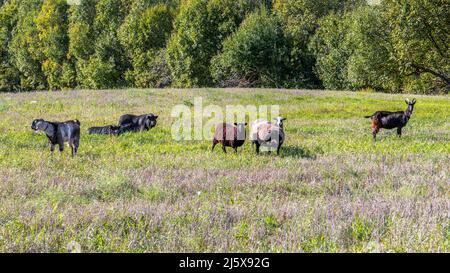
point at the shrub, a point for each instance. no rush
(143, 35)
(370, 64)
(300, 21)
(255, 55)
(332, 50)
(81, 36)
(20, 48)
(199, 30)
(106, 67)
(9, 75)
(394, 47)
(52, 46)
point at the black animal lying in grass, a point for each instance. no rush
(104, 130)
(129, 127)
(391, 120)
(60, 132)
(127, 123)
(137, 123)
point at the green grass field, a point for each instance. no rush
(330, 190)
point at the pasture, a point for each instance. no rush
(330, 190)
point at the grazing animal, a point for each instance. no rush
(271, 136)
(104, 130)
(391, 120)
(254, 129)
(229, 136)
(129, 127)
(142, 122)
(279, 121)
(59, 132)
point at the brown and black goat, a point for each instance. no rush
(391, 120)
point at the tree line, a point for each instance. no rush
(394, 46)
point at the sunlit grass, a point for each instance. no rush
(330, 190)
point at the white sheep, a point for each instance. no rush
(254, 129)
(267, 134)
(255, 124)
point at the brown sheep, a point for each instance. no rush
(229, 135)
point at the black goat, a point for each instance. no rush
(104, 130)
(60, 132)
(129, 127)
(391, 120)
(138, 123)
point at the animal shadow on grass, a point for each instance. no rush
(294, 151)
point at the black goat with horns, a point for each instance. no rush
(391, 120)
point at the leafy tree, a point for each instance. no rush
(390, 47)
(255, 55)
(420, 37)
(9, 75)
(52, 46)
(107, 65)
(81, 36)
(143, 35)
(199, 30)
(24, 39)
(300, 21)
(370, 64)
(396, 46)
(352, 51)
(332, 50)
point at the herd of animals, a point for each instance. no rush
(262, 132)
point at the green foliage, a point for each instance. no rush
(199, 30)
(420, 41)
(143, 35)
(106, 67)
(397, 46)
(185, 48)
(101, 73)
(352, 51)
(301, 16)
(150, 69)
(370, 65)
(394, 46)
(22, 51)
(52, 47)
(300, 22)
(146, 29)
(255, 55)
(9, 75)
(332, 50)
(81, 36)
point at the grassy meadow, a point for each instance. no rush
(330, 190)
